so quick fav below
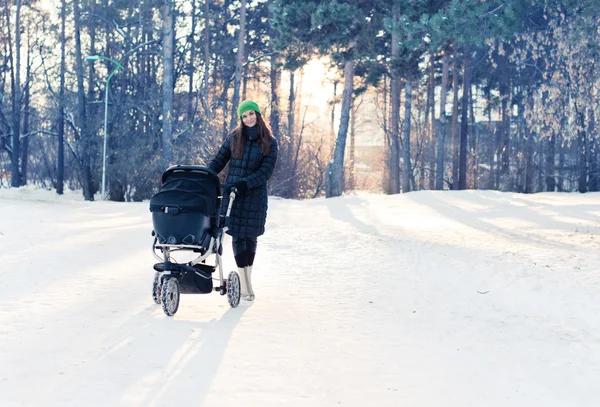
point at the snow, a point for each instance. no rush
(422, 299)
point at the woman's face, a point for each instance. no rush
(249, 118)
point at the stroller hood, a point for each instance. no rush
(188, 189)
(185, 209)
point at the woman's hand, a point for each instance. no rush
(240, 186)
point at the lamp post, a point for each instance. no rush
(119, 66)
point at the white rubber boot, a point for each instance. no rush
(243, 285)
(247, 282)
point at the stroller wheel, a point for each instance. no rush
(170, 295)
(156, 289)
(233, 289)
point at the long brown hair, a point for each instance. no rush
(238, 141)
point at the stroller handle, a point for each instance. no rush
(231, 188)
(232, 194)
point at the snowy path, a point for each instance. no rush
(425, 299)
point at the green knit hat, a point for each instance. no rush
(247, 105)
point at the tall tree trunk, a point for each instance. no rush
(464, 123)
(333, 104)
(394, 157)
(550, 166)
(113, 189)
(521, 143)
(594, 183)
(529, 167)
(549, 144)
(336, 177)
(275, 79)
(205, 91)
(244, 80)
(286, 150)
(298, 94)
(439, 174)
(26, 112)
(60, 173)
(425, 133)
(16, 113)
(407, 168)
(561, 154)
(239, 62)
(387, 139)
(87, 182)
(474, 136)
(505, 94)
(329, 168)
(8, 47)
(491, 140)
(432, 134)
(498, 146)
(225, 109)
(582, 150)
(455, 141)
(529, 145)
(353, 109)
(91, 110)
(291, 106)
(294, 171)
(540, 174)
(167, 82)
(191, 65)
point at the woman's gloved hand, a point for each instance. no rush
(241, 187)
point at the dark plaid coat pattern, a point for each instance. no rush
(249, 211)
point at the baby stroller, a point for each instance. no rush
(186, 217)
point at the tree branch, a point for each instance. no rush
(113, 23)
(49, 133)
(38, 132)
(134, 49)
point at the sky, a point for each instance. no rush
(317, 92)
(431, 298)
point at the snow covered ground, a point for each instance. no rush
(472, 298)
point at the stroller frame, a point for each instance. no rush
(166, 286)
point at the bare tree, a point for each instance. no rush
(464, 123)
(335, 184)
(16, 113)
(455, 141)
(439, 175)
(394, 157)
(84, 135)
(275, 76)
(26, 109)
(168, 78)
(239, 62)
(191, 67)
(291, 117)
(61, 101)
(407, 170)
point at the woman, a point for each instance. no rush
(251, 151)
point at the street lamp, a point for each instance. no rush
(119, 66)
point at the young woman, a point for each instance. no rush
(251, 151)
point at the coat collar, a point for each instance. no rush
(251, 132)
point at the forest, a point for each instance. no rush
(103, 95)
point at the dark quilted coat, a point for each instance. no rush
(249, 211)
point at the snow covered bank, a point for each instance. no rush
(423, 299)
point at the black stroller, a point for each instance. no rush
(186, 217)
